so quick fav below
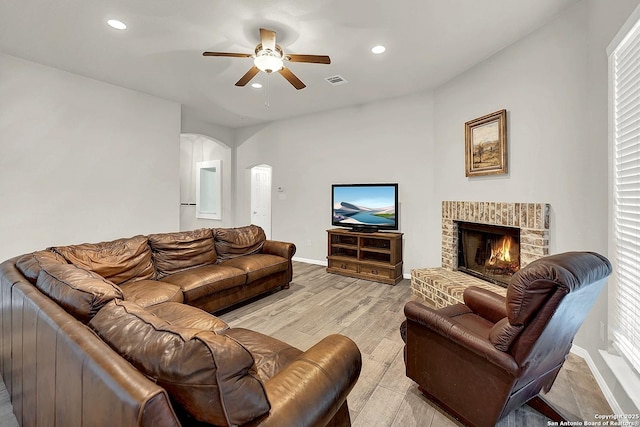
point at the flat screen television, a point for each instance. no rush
(365, 207)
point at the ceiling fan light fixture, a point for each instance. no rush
(268, 61)
(118, 25)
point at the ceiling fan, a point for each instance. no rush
(269, 57)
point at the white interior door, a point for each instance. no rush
(261, 198)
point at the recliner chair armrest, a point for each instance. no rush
(283, 249)
(485, 303)
(311, 389)
(444, 326)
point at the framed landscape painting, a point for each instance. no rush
(486, 144)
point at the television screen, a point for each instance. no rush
(367, 207)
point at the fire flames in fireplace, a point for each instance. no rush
(489, 252)
(500, 258)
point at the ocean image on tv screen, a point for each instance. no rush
(363, 205)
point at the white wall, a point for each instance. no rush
(192, 122)
(388, 141)
(81, 160)
(197, 148)
(418, 141)
(542, 83)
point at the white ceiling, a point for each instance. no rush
(428, 42)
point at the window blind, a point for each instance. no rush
(626, 158)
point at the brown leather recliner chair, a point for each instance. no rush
(483, 359)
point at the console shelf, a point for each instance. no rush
(370, 256)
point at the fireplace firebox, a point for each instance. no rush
(489, 252)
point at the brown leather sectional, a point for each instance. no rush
(120, 333)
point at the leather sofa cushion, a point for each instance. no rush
(146, 293)
(175, 252)
(258, 266)
(80, 292)
(270, 355)
(119, 261)
(202, 281)
(209, 375)
(31, 264)
(235, 242)
(187, 316)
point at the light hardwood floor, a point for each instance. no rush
(318, 304)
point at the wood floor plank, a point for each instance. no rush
(386, 351)
(415, 411)
(395, 378)
(381, 409)
(372, 373)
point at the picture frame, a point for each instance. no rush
(486, 145)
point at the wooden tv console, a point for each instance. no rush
(370, 256)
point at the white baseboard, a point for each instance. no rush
(310, 261)
(606, 391)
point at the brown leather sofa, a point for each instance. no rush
(115, 333)
(482, 359)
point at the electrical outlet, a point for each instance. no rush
(601, 331)
(309, 242)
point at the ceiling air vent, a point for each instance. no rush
(336, 80)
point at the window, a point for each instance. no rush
(625, 74)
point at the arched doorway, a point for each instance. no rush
(196, 148)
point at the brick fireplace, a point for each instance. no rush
(444, 285)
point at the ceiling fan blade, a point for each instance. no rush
(234, 55)
(248, 76)
(295, 81)
(268, 39)
(314, 59)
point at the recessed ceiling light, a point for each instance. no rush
(118, 25)
(256, 85)
(378, 49)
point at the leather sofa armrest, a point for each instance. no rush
(311, 389)
(442, 325)
(283, 249)
(485, 303)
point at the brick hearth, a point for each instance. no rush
(445, 285)
(442, 287)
